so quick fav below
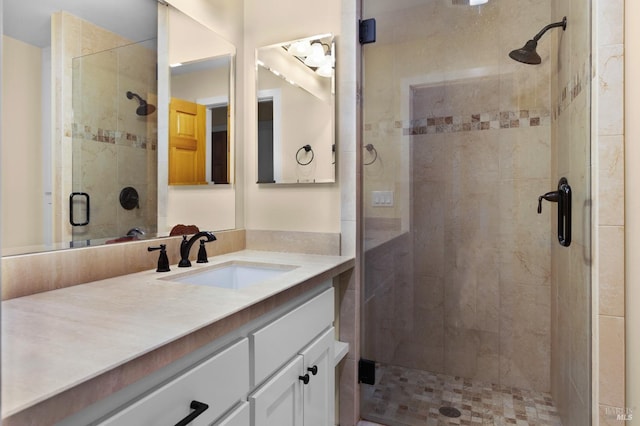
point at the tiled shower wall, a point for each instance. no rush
(464, 288)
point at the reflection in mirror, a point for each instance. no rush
(200, 130)
(46, 129)
(296, 104)
(115, 135)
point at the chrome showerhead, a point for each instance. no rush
(527, 54)
(144, 108)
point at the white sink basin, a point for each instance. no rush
(233, 275)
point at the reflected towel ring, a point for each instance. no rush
(306, 148)
(369, 147)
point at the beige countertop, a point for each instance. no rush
(56, 340)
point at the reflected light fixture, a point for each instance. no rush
(316, 55)
(469, 2)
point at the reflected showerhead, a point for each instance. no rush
(527, 54)
(144, 108)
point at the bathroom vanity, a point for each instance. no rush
(146, 348)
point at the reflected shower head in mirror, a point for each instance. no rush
(527, 54)
(144, 108)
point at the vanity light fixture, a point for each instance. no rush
(469, 2)
(315, 54)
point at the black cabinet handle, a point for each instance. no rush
(563, 197)
(305, 379)
(198, 407)
(88, 200)
(313, 370)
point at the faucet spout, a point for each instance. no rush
(185, 246)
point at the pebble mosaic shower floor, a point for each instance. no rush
(406, 397)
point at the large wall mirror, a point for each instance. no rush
(78, 90)
(296, 111)
(201, 106)
(80, 120)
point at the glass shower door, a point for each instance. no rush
(467, 311)
(114, 133)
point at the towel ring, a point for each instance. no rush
(306, 148)
(369, 147)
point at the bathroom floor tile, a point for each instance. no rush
(406, 397)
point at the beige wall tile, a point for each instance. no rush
(611, 271)
(611, 375)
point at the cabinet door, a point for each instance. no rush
(279, 401)
(319, 393)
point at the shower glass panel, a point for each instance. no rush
(471, 307)
(114, 134)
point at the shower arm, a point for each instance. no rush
(132, 95)
(562, 24)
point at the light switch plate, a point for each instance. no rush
(382, 198)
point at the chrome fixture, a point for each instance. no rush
(185, 246)
(527, 54)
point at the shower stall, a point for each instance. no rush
(473, 307)
(114, 140)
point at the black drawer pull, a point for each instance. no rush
(199, 407)
(305, 379)
(313, 370)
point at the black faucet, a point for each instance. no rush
(185, 246)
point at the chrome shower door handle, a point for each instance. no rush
(563, 197)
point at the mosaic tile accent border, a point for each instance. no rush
(483, 121)
(113, 137)
(413, 397)
(493, 120)
(572, 90)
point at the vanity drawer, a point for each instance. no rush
(280, 340)
(241, 416)
(220, 382)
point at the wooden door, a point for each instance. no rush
(187, 139)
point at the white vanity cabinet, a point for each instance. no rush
(254, 375)
(220, 382)
(301, 392)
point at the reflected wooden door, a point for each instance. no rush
(187, 138)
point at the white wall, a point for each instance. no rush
(249, 25)
(22, 188)
(313, 208)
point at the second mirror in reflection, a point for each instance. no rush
(200, 125)
(296, 111)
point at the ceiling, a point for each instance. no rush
(30, 20)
